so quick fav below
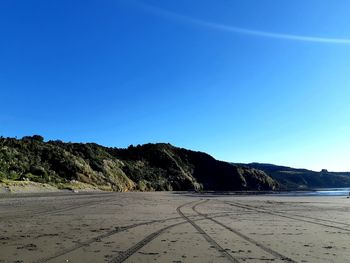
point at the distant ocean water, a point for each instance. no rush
(318, 192)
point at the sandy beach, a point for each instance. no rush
(172, 227)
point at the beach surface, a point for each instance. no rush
(173, 227)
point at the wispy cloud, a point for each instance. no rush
(240, 30)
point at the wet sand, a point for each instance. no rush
(173, 227)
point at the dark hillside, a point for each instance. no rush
(187, 168)
(146, 168)
(291, 178)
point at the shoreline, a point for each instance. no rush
(10, 187)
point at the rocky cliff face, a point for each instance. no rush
(145, 167)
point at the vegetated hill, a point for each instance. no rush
(144, 167)
(291, 178)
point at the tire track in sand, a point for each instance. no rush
(256, 243)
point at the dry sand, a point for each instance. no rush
(173, 227)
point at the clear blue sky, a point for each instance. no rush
(244, 80)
